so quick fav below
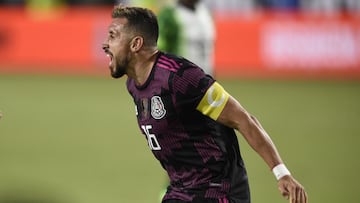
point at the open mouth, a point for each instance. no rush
(108, 54)
(112, 67)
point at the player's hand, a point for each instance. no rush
(292, 190)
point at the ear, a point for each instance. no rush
(136, 43)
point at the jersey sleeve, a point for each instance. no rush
(196, 90)
(169, 31)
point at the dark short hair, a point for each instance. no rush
(140, 20)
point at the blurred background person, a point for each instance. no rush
(187, 29)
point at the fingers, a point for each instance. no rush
(304, 196)
(293, 195)
(298, 195)
(284, 192)
(292, 190)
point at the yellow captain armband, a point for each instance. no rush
(213, 101)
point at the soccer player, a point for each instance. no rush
(186, 28)
(188, 118)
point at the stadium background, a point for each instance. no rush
(69, 135)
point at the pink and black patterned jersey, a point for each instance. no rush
(200, 155)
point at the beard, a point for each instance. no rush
(118, 72)
(120, 68)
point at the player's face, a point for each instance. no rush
(117, 47)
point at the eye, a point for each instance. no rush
(111, 35)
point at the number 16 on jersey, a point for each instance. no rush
(151, 138)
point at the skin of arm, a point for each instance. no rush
(236, 116)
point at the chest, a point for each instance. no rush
(154, 108)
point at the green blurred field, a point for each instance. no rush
(75, 140)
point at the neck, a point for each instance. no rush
(143, 67)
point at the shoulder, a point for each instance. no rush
(180, 66)
(174, 63)
(186, 76)
(169, 62)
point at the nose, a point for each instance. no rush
(105, 46)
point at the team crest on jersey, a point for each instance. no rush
(157, 107)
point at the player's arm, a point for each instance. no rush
(222, 107)
(236, 116)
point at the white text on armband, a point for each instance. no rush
(214, 101)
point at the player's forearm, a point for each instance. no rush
(260, 141)
(235, 116)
